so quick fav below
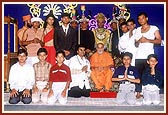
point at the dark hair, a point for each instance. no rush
(60, 52)
(131, 20)
(55, 24)
(80, 45)
(65, 15)
(22, 51)
(142, 13)
(42, 50)
(152, 55)
(123, 23)
(127, 54)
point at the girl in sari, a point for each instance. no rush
(49, 25)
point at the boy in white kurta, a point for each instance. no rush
(21, 80)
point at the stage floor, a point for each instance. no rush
(83, 104)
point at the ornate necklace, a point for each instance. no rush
(100, 33)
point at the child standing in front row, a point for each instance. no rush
(151, 81)
(59, 81)
(127, 76)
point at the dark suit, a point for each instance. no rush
(65, 42)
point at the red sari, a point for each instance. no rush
(50, 49)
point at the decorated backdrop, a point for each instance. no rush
(155, 13)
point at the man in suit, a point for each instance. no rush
(65, 37)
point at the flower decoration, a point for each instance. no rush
(54, 7)
(34, 9)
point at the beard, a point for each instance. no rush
(29, 25)
(100, 52)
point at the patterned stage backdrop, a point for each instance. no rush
(155, 13)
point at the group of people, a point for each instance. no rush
(56, 61)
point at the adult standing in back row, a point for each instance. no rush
(146, 36)
(49, 26)
(32, 38)
(65, 37)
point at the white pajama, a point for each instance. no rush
(58, 87)
(126, 93)
(151, 95)
(40, 95)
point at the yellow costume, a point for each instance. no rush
(102, 34)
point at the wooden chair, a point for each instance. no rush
(8, 59)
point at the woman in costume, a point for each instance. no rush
(50, 23)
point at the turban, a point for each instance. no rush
(36, 19)
(27, 17)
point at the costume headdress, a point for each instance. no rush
(124, 12)
(83, 18)
(114, 15)
(27, 17)
(100, 16)
(74, 17)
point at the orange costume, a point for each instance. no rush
(50, 49)
(101, 73)
(22, 30)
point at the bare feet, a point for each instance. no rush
(101, 90)
(138, 95)
(107, 90)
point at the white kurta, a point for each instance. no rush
(127, 44)
(79, 78)
(21, 77)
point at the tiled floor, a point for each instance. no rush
(78, 104)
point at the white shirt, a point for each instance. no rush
(122, 44)
(65, 28)
(127, 44)
(79, 78)
(144, 49)
(21, 77)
